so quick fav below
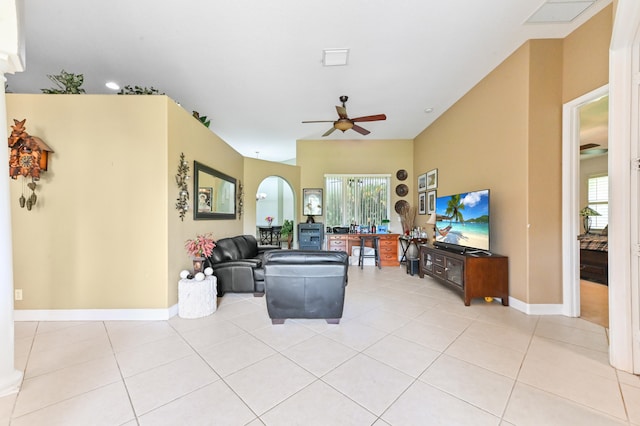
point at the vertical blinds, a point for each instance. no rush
(361, 199)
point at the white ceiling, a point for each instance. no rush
(254, 67)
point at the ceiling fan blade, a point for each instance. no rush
(342, 111)
(376, 117)
(328, 132)
(588, 146)
(360, 130)
(319, 121)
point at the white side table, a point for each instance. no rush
(197, 299)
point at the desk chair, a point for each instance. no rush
(265, 235)
(375, 240)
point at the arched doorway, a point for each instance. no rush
(275, 199)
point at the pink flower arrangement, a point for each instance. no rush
(201, 246)
(269, 219)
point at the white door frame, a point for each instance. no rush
(624, 84)
(571, 200)
(624, 189)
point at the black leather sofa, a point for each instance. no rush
(237, 264)
(305, 284)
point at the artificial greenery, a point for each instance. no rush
(137, 90)
(68, 83)
(287, 228)
(203, 119)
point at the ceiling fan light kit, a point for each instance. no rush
(345, 123)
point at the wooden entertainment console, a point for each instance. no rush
(477, 275)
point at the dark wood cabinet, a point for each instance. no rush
(594, 266)
(476, 275)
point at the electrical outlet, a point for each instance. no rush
(18, 295)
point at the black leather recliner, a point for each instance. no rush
(305, 284)
(237, 264)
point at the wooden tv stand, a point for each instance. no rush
(476, 275)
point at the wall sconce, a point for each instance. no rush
(29, 156)
(182, 202)
(261, 196)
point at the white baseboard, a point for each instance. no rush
(536, 309)
(95, 314)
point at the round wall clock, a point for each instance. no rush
(402, 174)
(402, 190)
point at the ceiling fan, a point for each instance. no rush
(345, 123)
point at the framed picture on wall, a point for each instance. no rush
(422, 203)
(422, 182)
(431, 202)
(432, 179)
(312, 201)
(205, 195)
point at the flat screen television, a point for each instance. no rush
(462, 222)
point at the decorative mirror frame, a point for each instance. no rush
(200, 215)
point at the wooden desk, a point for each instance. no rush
(388, 246)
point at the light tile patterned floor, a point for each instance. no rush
(408, 352)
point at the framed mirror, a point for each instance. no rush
(214, 194)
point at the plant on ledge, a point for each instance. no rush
(201, 246)
(137, 90)
(203, 119)
(68, 84)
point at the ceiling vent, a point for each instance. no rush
(558, 11)
(335, 57)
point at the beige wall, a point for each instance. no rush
(480, 143)
(319, 157)
(544, 175)
(198, 143)
(586, 56)
(505, 135)
(105, 233)
(97, 235)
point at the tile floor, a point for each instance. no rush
(408, 352)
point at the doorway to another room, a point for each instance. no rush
(585, 181)
(275, 204)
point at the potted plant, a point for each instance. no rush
(287, 231)
(68, 83)
(199, 249)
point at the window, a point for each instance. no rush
(361, 199)
(598, 200)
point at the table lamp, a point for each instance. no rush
(432, 222)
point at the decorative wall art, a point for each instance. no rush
(422, 203)
(402, 190)
(205, 195)
(432, 179)
(422, 182)
(28, 158)
(311, 203)
(431, 202)
(182, 202)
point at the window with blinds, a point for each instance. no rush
(598, 200)
(361, 199)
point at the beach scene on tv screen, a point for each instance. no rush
(463, 219)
